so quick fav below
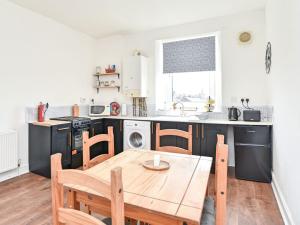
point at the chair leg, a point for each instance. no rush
(132, 222)
(71, 200)
(85, 208)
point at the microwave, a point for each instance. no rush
(99, 110)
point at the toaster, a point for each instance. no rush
(251, 115)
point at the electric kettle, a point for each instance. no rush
(233, 113)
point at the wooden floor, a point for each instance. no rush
(26, 200)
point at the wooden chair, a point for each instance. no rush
(112, 191)
(214, 210)
(174, 132)
(88, 142)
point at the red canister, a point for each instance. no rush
(41, 112)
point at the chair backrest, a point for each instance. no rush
(112, 191)
(174, 132)
(88, 142)
(220, 141)
(221, 180)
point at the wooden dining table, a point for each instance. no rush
(172, 196)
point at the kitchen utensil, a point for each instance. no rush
(75, 110)
(115, 109)
(233, 113)
(42, 109)
(124, 110)
(251, 115)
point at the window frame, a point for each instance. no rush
(161, 103)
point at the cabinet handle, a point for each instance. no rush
(64, 128)
(251, 131)
(151, 127)
(121, 128)
(97, 123)
(69, 139)
(202, 131)
(93, 132)
(197, 131)
(250, 145)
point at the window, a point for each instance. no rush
(188, 71)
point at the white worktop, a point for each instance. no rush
(188, 119)
(191, 119)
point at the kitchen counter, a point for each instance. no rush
(188, 119)
(49, 123)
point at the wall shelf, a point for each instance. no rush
(113, 76)
(98, 87)
(107, 74)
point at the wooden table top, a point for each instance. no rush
(178, 192)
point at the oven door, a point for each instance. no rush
(77, 147)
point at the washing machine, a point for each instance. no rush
(137, 134)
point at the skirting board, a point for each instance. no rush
(14, 173)
(283, 207)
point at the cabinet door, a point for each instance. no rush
(97, 127)
(61, 143)
(209, 139)
(167, 140)
(153, 134)
(183, 142)
(118, 133)
(39, 149)
(177, 141)
(197, 139)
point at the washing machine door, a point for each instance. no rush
(136, 139)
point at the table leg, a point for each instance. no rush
(71, 200)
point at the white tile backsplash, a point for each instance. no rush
(54, 111)
(59, 111)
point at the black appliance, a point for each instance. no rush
(233, 113)
(253, 153)
(78, 125)
(251, 115)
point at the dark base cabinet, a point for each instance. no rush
(45, 141)
(97, 127)
(118, 133)
(209, 134)
(253, 153)
(253, 163)
(176, 141)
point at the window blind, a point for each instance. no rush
(193, 55)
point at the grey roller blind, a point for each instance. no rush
(191, 55)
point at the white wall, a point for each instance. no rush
(283, 30)
(40, 60)
(243, 66)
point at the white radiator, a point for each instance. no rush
(8, 150)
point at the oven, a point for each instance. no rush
(77, 146)
(79, 125)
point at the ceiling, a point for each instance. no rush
(100, 18)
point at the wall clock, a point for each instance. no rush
(268, 57)
(245, 37)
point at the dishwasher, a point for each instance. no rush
(253, 153)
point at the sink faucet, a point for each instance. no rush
(181, 108)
